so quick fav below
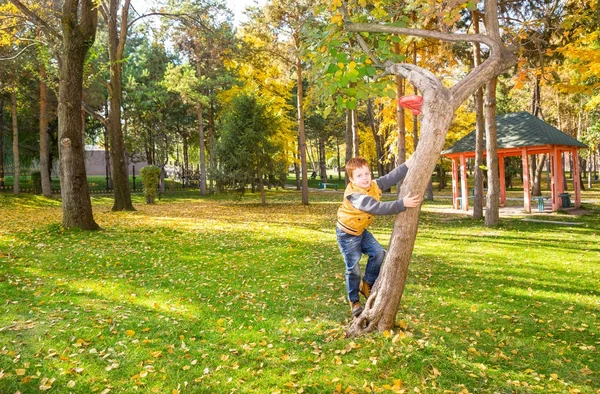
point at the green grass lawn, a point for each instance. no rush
(222, 295)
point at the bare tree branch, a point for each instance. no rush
(93, 113)
(18, 54)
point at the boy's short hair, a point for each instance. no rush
(354, 163)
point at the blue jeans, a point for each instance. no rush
(352, 248)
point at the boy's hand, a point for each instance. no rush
(412, 201)
(409, 162)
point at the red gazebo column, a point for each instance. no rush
(576, 185)
(555, 158)
(463, 183)
(454, 183)
(502, 181)
(526, 190)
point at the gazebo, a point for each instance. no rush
(519, 134)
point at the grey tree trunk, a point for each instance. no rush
(349, 140)
(322, 159)
(44, 153)
(15, 143)
(355, 137)
(202, 147)
(376, 137)
(1, 142)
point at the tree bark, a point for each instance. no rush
(79, 22)
(44, 154)
(15, 144)
(492, 207)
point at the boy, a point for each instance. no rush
(361, 202)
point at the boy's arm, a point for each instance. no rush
(398, 174)
(368, 204)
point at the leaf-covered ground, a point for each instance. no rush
(222, 295)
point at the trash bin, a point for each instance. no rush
(565, 199)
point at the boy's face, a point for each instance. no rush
(361, 177)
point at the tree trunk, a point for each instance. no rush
(107, 161)
(15, 144)
(44, 155)
(378, 144)
(211, 145)
(401, 158)
(492, 207)
(79, 30)
(301, 135)
(118, 163)
(1, 141)
(201, 148)
(201, 145)
(382, 306)
(349, 140)
(355, 136)
(479, 195)
(322, 159)
(536, 189)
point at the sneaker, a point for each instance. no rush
(356, 308)
(365, 288)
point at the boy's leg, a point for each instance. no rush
(350, 246)
(376, 253)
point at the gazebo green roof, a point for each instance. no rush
(519, 130)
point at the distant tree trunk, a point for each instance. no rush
(479, 195)
(322, 159)
(492, 207)
(301, 135)
(401, 158)
(44, 166)
(261, 188)
(339, 164)
(15, 143)
(349, 139)
(536, 187)
(355, 136)
(107, 161)
(1, 141)
(211, 145)
(79, 21)
(442, 175)
(378, 144)
(297, 168)
(201, 147)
